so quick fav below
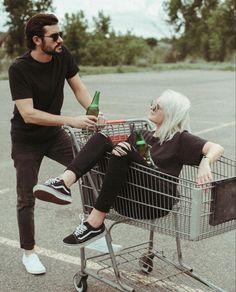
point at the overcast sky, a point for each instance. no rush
(143, 17)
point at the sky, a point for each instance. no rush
(142, 17)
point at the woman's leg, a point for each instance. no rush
(122, 155)
(90, 154)
(57, 190)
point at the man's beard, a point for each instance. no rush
(51, 52)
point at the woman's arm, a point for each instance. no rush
(211, 152)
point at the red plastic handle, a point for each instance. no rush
(113, 122)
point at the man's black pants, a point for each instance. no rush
(27, 160)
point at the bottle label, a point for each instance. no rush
(93, 111)
(142, 150)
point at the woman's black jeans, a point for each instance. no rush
(149, 203)
(116, 173)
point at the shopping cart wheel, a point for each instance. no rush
(146, 262)
(80, 282)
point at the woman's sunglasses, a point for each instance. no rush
(154, 106)
(55, 36)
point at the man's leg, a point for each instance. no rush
(60, 149)
(27, 160)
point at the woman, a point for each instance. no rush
(171, 146)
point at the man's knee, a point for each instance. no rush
(25, 197)
(24, 202)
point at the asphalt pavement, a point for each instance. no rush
(212, 95)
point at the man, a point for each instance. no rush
(37, 82)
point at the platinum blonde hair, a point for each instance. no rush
(176, 108)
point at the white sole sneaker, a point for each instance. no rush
(85, 243)
(33, 264)
(49, 194)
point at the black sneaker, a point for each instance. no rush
(53, 190)
(84, 234)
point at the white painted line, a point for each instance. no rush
(215, 128)
(4, 191)
(91, 265)
(51, 253)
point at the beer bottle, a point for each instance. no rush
(141, 145)
(93, 108)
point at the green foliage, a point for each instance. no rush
(152, 42)
(102, 46)
(76, 36)
(102, 24)
(206, 28)
(19, 11)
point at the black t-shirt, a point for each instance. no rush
(44, 83)
(170, 156)
(160, 194)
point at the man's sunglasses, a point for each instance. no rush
(55, 36)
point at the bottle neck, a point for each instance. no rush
(139, 139)
(95, 101)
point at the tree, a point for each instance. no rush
(152, 42)
(102, 24)
(204, 26)
(222, 37)
(76, 35)
(19, 11)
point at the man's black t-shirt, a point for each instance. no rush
(44, 83)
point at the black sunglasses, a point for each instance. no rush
(55, 36)
(155, 106)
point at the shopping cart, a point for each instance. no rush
(185, 212)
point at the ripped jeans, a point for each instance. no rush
(121, 156)
(149, 198)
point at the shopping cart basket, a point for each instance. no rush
(185, 212)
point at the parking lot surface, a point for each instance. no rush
(212, 95)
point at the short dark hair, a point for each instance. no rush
(35, 26)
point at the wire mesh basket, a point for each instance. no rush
(151, 200)
(159, 203)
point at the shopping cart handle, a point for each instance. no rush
(113, 122)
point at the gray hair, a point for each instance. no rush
(176, 114)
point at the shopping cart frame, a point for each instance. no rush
(78, 139)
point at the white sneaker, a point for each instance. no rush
(33, 264)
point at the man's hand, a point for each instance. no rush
(101, 120)
(83, 122)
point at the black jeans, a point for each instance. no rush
(116, 172)
(144, 204)
(27, 160)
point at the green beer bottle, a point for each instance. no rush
(141, 145)
(93, 108)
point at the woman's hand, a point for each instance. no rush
(204, 172)
(211, 152)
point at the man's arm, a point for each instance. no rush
(34, 116)
(80, 91)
